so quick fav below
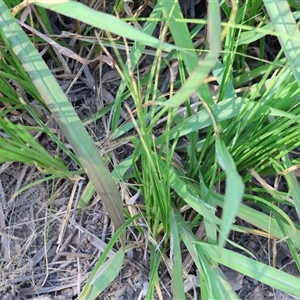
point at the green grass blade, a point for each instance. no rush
(284, 23)
(225, 110)
(98, 268)
(293, 183)
(212, 285)
(155, 259)
(135, 54)
(64, 114)
(182, 38)
(22, 147)
(177, 260)
(106, 274)
(264, 273)
(83, 13)
(187, 194)
(234, 189)
(260, 220)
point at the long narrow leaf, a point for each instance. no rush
(83, 13)
(234, 189)
(260, 220)
(177, 260)
(264, 273)
(106, 274)
(64, 114)
(202, 69)
(284, 23)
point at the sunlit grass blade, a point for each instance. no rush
(177, 260)
(87, 195)
(105, 275)
(234, 189)
(22, 147)
(99, 273)
(83, 13)
(191, 198)
(261, 220)
(251, 34)
(262, 272)
(293, 183)
(222, 76)
(212, 285)
(225, 110)
(135, 54)
(284, 23)
(202, 69)
(155, 260)
(183, 39)
(64, 113)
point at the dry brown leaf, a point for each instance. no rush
(65, 51)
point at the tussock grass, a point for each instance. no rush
(204, 167)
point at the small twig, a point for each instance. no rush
(80, 185)
(67, 214)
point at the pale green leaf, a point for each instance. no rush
(234, 189)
